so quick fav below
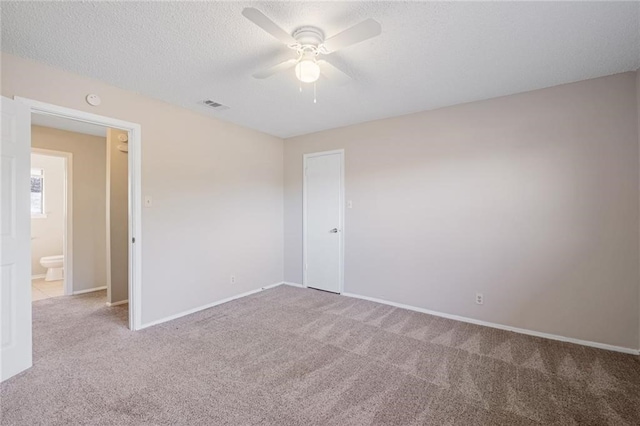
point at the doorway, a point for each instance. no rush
(134, 204)
(323, 221)
(91, 252)
(51, 218)
(15, 257)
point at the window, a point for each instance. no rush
(37, 193)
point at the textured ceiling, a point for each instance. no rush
(429, 55)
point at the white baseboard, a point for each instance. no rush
(267, 287)
(207, 306)
(500, 326)
(403, 306)
(89, 290)
(122, 302)
(38, 277)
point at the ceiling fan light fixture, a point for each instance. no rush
(307, 71)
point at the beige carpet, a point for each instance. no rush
(290, 356)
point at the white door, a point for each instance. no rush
(323, 220)
(15, 218)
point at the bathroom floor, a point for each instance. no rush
(41, 289)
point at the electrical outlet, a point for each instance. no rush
(233, 279)
(479, 298)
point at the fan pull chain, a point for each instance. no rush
(314, 92)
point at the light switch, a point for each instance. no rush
(349, 204)
(148, 202)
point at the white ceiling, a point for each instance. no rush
(430, 54)
(68, 125)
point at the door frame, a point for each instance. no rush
(135, 191)
(341, 225)
(67, 240)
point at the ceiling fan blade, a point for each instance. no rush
(282, 66)
(261, 20)
(360, 32)
(333, 73)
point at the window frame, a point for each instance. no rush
(42, 214)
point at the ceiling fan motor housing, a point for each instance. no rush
(308, 37)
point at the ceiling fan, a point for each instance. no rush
(309, 43)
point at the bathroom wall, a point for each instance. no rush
(89, 201)
(47, 232)
(118, 217)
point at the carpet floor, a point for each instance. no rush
(292, 356)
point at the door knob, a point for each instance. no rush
(334, 231)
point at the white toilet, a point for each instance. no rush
(55, 267)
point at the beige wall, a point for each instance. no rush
(638, 112)
(89, 195)
(531, 199)
(47, 232)
(216, 187)
(118, 213)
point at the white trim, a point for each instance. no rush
(122, 302)
(107, 215)
(500, 326)
(38, 277)
(411, 308)
(67, 232)
(341, 225)
(267, 287)
(43, 214)
(207, 306)
(135, 191)
(89, 290)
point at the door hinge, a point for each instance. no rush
(133, 240)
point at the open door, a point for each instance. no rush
(15, 228)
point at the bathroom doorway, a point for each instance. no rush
(20, 113)
(83, 204)
(51, 211)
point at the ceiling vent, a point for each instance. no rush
(214, 105)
